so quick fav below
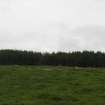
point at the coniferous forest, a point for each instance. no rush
(77, 58)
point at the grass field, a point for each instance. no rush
(33, 85)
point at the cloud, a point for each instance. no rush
(99, 0)
(52, 25)
(90, 37)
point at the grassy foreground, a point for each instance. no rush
(30, 85)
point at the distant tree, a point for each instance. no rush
(76, 58)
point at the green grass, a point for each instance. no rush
(35, 85)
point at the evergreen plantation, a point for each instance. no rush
(77, 58)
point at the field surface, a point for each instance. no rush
(35, 85)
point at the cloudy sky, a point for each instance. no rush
(52, 25)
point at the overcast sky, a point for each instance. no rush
(52, 25)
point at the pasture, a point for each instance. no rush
(48, 85)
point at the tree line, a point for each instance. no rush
(76, 58)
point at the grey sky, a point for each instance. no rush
(52, 25)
